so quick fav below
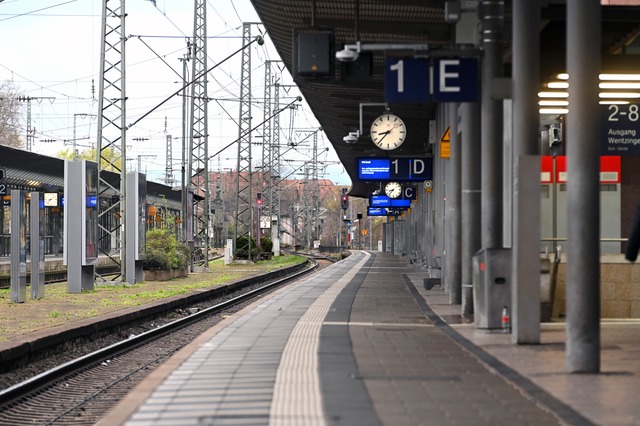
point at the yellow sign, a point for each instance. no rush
(445, 144)
(445, 150)
(446, 136)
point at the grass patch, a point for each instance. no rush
(59, 307)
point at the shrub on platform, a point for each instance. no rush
(242, 244)
(266, 244)
(163, 251)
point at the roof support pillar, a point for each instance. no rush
(525, 287)
(492, 18)
(583, 191)
(469, 143)
(452, 277)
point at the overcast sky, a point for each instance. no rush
(51, 50)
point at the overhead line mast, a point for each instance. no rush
(111, 140)
(243, 229)
(199, 136)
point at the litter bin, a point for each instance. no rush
(491, 286)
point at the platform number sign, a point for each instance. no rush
(416, 80)
(3, 176)
(620, 130)
(406, 80)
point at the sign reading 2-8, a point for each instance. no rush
(620, 130)
(624, 112)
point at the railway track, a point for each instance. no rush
(83, 390)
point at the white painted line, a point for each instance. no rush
(297, 399)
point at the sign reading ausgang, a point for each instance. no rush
(620, 130)
(402, 169)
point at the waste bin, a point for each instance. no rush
(491, 286)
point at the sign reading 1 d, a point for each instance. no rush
(414, 80)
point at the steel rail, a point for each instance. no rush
(55, 374)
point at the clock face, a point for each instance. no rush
(388, 132)
(50, 199)
(393, 189)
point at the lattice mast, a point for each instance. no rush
(112, 131)
(199, 135)
(31, 131)
(267, 166)
(168, 170)
(243, 217)
(308, 205)
(315, 190)
(275, 157)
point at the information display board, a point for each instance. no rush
(385, 211)
(385, 201)
(396, 169)
(90, 214)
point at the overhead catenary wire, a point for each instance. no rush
(259, 39)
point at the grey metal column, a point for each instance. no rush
(453, 273)
(37, 245)
(583, 196)
(18, 246)
(440, 170)
(492, 18)
(470, 200)
(525, 290)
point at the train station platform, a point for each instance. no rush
(363, 343)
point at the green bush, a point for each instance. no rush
(242, 244)
(163, 251)
(266, 244)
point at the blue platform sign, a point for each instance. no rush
(455, 79)
(406, 80)
(396, 169)
(382, 211)
(376, 211)
(379, 201)
(385, 201)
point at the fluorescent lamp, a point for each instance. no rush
(553, 103)
(558, 85)
(554, 111)
(620, 77)
(620, 95)
(614, 102)
(553, 94)
(621, 85)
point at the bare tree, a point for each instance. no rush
(10, 115)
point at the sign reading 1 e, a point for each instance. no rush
(414, 80)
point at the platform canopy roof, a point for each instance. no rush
(335, 100)
(35, 172)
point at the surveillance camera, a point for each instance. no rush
(346, 55)
(352, 137)
(260, 40)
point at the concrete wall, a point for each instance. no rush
(619, 288)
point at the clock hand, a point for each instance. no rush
(384, 134)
